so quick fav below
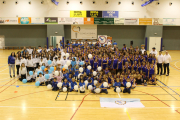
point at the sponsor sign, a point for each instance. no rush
(51, 20)
(77, 13)
(110, 14)
(94, 13)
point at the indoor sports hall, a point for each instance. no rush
(89, 59)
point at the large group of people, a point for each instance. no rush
(118, 66)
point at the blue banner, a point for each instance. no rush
(110, 14)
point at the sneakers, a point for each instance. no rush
(13, 75)
(167, 75)
(10, 76)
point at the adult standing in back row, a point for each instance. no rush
(167, 60)
(160, 60)
(11, 63)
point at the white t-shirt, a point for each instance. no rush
(154, 52)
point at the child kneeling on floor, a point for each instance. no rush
(82, 84)
(103, 89)
(127, 89)
(117, 84)
(73, 83)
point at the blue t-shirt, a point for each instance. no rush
(73, 84)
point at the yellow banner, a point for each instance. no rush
(145, 21)
(77, 13)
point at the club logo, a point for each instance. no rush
(102, 39)
(120, 102)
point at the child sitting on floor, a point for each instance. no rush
(103, 89)
(73, 83)
(127, 89)
(65, 84)
(152, 80)
(54, 85)
(117, 84)
(82, 84)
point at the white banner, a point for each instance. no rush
(169, 21)
(9, 20)
(157, 21)
(131, 21)
(83, 31)
(121, 103)
(37, 20)
(78, 20)
(119, 21)
(65, 21)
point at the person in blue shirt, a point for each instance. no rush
(69, 79)
(11, 63)
(127, 89)
(55, 49)
(82, 84)
(73, 63)
(76, 44)
(76, 73)
(54, 85)
(70, 69)
(73, 83)
(61, 43)
(65, 84)
(103, 89)
(117, 84)
(88, 72)
(115, 43)
(90, 83)
(66, 74)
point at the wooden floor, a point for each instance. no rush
(28, 102)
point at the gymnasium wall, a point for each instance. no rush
(124, 34)
(153, 31)
(24, 35)
(171, 37)
(120, 34)
(126, 8)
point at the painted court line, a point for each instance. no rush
(157, 99)
(3, 70)
(79, 106)
(88, 107)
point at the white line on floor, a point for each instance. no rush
(85, 107)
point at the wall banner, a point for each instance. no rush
(78, 20)
(157, 21)
(119, 21)
(51, 20)
(65, 20)
(77, 13)
(103, 20)
(24, 20)
(89, 21)
(131, 21)
(9, 20)
(102, 39)
(94, 14)
(169, 21)
(37, 20)
(145, 21)
(83, 31)
(110, 14)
